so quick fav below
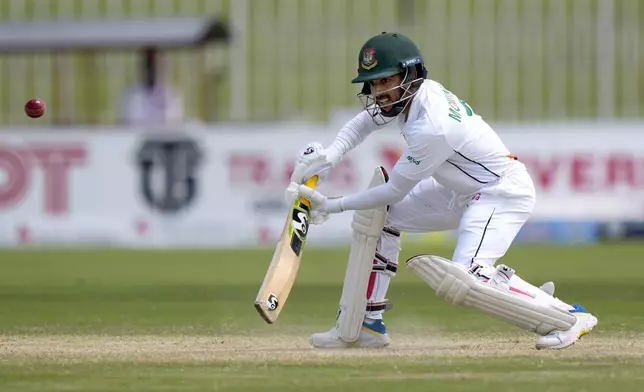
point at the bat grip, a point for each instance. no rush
(310, 182)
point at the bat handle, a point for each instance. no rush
(310, 182)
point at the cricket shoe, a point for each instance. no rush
(372, 335)
(562, 339)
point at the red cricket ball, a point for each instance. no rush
(35, 108)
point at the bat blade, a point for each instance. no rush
(284, 265)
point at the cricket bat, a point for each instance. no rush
(283, 268)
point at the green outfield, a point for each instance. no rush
(115, 320)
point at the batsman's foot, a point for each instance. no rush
(372, 335)
(562, 339)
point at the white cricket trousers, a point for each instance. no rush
(487, 223)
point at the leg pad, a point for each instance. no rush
(460, 287)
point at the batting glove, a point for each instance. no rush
(316, 217)
(319, 202)
(313, 159)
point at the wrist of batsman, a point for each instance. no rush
(334, 205)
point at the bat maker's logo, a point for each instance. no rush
(272, 303)
(302, 224)
(299, 227)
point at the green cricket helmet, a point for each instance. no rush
(385, 55)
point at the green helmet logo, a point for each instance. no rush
(369, 58)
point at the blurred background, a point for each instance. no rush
(175, 122)
(139, 214)
(514, 60)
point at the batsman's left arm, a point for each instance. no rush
(388, 193)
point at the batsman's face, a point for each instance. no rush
(386, 91)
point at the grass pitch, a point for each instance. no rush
(115, 320)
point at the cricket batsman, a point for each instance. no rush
(455, 174)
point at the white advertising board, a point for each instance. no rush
(225, 187)
(583, 171)
(197, 189)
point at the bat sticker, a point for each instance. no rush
(272, 303)
(299, 227)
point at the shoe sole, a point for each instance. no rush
(374, 345)
(351, 345)
(345, 345)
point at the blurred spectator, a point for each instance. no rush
(151, 101)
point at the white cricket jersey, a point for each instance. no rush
(448, 141)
